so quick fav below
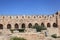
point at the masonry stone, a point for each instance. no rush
(51, 22)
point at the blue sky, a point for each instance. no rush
(29, 7)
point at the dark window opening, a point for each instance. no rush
(42, 24)
(48, 25)
(1, 26)
(16, 26)
(30, 25)
(36, 24)
(9, 26)
(55, 25)
(23, 25)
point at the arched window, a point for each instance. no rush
(1, 26)
(23, 25)
(55, 25)
(8, 26)
(16, 26)
(48, 25)
(30, 25)
(42, 24)
(36, 24)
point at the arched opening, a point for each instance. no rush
(42, 24)
(29, 25)
(23, 25)
(48, 25)
(55, 25)
(16, 26)
(36, 24)
(1, 26)
(8, 26)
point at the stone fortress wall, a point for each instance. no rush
(52, 22)
(12, 20)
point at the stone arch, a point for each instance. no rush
(8, 26)
(23, 25)
(29, 25)
(42, 24)
(48, 25)
(36, 24)
(16, 26)
(55, 25)
(1, 26)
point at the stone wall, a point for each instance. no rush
(5, 20)
(33, 19)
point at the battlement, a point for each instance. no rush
(30, 16)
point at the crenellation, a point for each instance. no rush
(29, 16)
(23, 16)
(42, 15)
(34, 16)
(9, 17)
(53, 15)
(39, 16)
(16, 16)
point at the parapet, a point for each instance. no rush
(29, 16)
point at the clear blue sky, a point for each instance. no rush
(29, 7)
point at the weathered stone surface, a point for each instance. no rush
(18, 22)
